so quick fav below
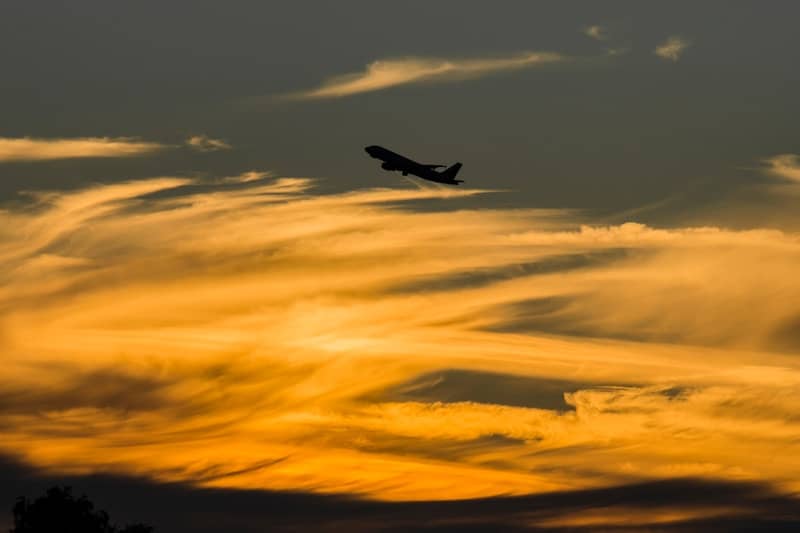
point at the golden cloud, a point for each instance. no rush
(261, 335)
(32, 149)
(383, 74)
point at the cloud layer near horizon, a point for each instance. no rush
(33, 149)
(387, 73)
(277, 338)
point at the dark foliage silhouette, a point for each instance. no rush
(58, 511)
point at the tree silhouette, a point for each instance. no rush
(59, 511)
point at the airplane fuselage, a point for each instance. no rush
(396, 162)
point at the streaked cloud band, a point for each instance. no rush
(274, 337)
(387, 73)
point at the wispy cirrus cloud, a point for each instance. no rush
(673, 48)
(387, 73)
(230, 352)
(204, 143)
(39, 149)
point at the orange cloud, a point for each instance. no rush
(271, 337)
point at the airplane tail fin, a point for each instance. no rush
(450, 173)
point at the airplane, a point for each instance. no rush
(393, 161)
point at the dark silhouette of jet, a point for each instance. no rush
(393, 161)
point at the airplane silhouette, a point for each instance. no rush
(393, 161)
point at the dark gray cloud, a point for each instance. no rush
(177, 508)
(99, 389)
(455, 385)
(438, 449)
(478, 277)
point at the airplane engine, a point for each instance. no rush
(387, 166)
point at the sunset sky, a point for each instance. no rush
(207, 287)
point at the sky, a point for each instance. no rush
(210, 293)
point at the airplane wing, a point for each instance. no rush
(434, 166)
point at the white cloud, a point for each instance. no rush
(204, 143)
(387, 73)
(31, 149)
(673, 48)
(786, 166)
(595, 32)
